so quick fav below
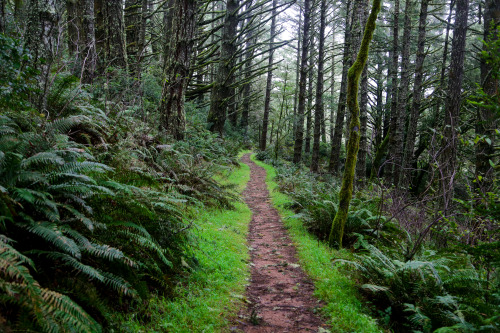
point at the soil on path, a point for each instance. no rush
(280, 294)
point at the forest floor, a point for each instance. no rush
(280, 294)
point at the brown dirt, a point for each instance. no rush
(280, 294)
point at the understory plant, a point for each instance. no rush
(72, 238)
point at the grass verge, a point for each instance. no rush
(344, 309)
(212, 294)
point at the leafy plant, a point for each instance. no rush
(61, 215)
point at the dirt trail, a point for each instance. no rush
(280, 293)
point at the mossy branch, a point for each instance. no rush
(345, 195)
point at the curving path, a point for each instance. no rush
(280, 294)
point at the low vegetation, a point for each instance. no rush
(409, 286)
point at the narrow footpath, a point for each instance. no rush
(280, 293)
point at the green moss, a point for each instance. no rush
(345, 194)
(344, 310)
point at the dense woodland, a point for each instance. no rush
(117, 119)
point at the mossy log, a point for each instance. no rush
(345, 195)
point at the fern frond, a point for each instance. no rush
(51, 233)
(42, 159)
(148, 243)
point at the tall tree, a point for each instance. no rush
(247, 85)
(345, 194)
(449, 144)
(363, 112)
(297, 72)
(133, 29)
(393, 75)
(333, 165)
(319, 107)
(486, 118)
(110, 33)
(178, 67)
(269, 81)
(222, 87)
(417, 95)
(299, 130)
(310, 96)
(403, 97)
(40, 38)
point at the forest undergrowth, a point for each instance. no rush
(408, 285)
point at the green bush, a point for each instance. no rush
(72, 238)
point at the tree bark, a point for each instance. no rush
(299, 131)
(403, 97)
(173, 119)
(318, 113)
(417, 95)
(223, 89)
(132, 29)
(486, 118)
(310, 97)
(345, 194)
(363, 117)
(269, 81)
(245, 112)
(297, 74)
(333, 166)
(448, 156)
(393, 123)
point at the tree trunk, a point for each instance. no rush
(42, 30)
(173, 119)
(332, 91)
(2, 16)
(299, 131)
(487, 119)
(388, 172)
(310, 96)
(269, 81)
(73, 27)
(87, 55)
(141, 41)
(245, 113)
(448, 156)
(333, 166)
(132, 29)
(417, 95)
(403, 97)
(297, 73)
(116, 54)
(223, 89)
(345, 194)
(363, 116)
(318, 113)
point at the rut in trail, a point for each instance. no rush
(280, 293)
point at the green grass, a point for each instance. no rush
(344, 310)
(211, 296)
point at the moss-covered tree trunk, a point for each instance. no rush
(345, 195)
